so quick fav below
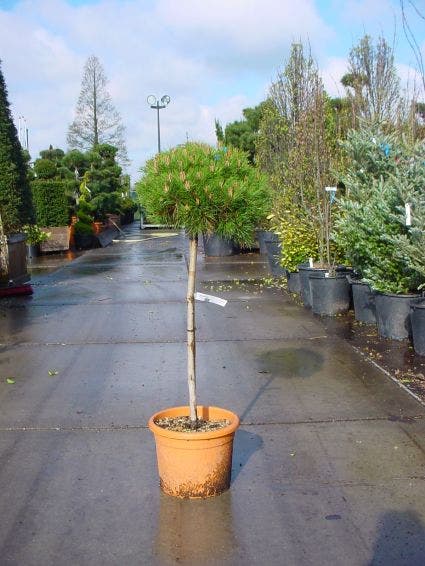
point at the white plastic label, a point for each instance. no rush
(408, 214)
(210, 299)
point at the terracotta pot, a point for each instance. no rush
(199, 464)
(97, 227)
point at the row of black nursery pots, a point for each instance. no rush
(398, 317)
(325, 293)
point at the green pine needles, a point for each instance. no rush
(205, 190)
(384, 174)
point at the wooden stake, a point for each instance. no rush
(191, 339)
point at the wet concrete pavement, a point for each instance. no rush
(329, 462)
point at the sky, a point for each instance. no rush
(212, 57)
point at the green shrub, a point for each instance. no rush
(298, 238)
(371, 228)
(51, 201)
(16, 207)
(45, 169)
(205, 190)
(82, 228)
(34, 235)
(106, 203)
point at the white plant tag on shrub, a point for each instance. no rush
(408, 214)
(210, 299)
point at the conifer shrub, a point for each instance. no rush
(51, 201)
(16, 206)
(205, 190)
(380, 179)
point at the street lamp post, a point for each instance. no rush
(158, 105)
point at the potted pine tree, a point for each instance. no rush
(203, 191)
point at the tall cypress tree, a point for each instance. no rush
(16, 206)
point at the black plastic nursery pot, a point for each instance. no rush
(33, 250)
(263, 236)
(330, 295)
(305, 270)
(294, 285)
(393, 315)
(83, 241)
(273, 247)
(364, 302)
(216, 246)
(417, 319)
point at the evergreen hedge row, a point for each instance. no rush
(52, 206)
(15, 197)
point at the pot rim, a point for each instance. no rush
(401, 295)
(419, 305)
(321, 275)
(184, 411)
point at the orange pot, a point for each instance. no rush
(97, 227)
(197, 464)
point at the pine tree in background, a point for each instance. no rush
(16, 206)
(96, 119)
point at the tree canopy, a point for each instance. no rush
(96, 119)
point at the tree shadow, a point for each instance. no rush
(245, 445)
(400, 540)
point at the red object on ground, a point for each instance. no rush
(18, 290)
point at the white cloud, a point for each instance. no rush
(205, 55)
(213, 57)
(331, 71)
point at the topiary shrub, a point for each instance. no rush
(203, 190)
(51, 202)
(45, 169)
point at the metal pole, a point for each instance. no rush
(158, 105)
(159, 134)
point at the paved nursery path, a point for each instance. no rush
(329, 465)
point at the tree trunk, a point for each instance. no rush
(191, 341)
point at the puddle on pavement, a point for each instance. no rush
(291, 362)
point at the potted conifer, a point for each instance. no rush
(202, 190)
(380, 181)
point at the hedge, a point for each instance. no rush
(51, 201)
